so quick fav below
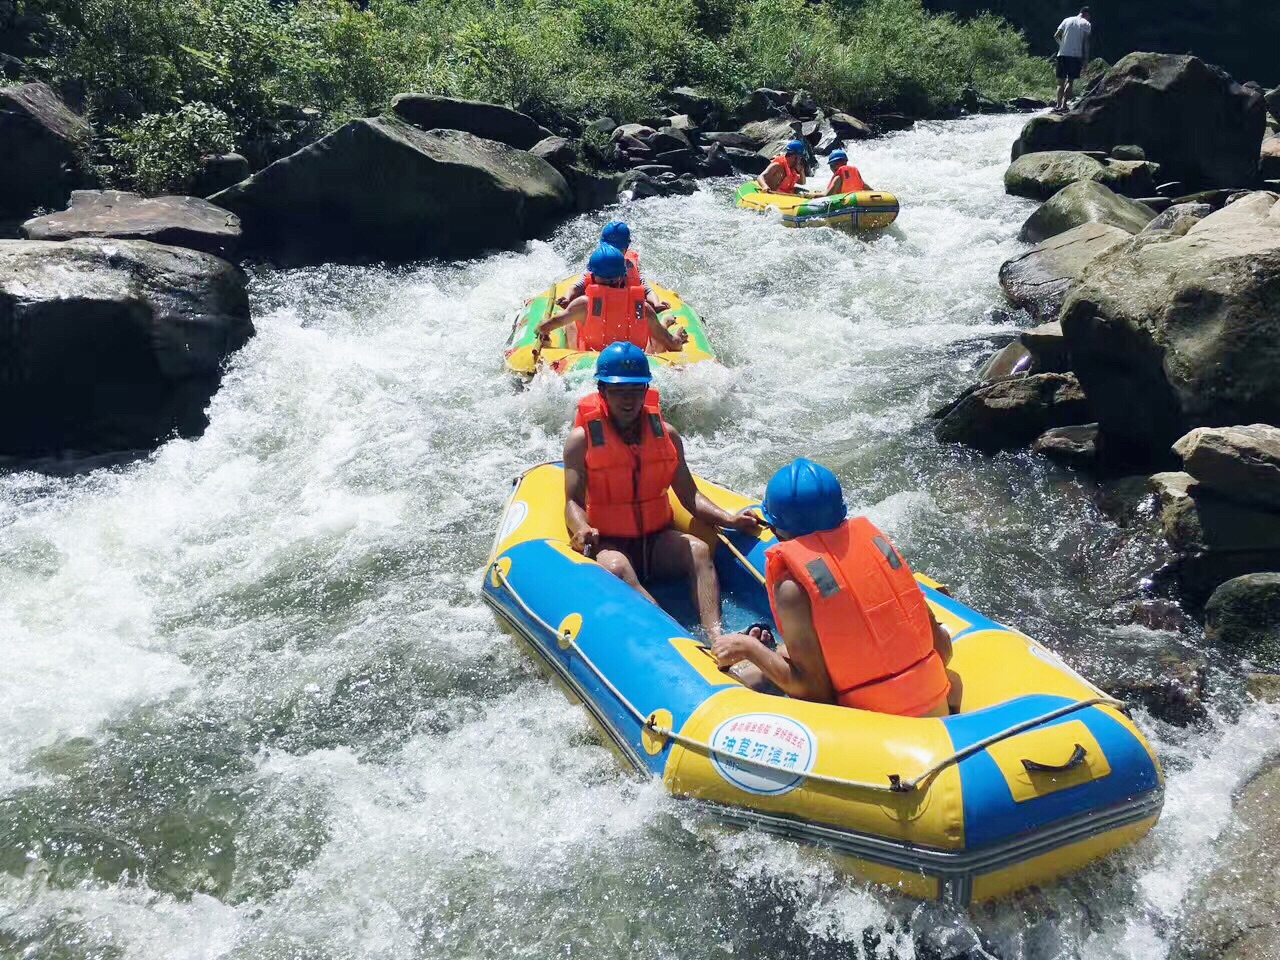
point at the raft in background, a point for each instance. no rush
(564, 358)
(864, 210)
(1040, 774)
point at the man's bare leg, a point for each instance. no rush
(617, 563)
(673, 553)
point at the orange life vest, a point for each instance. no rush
(633, 268)
(790, 179)
(850, 179)
(613, 314)
(870, 617)
(627, 483)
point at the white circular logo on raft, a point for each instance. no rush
(763, 738)
(515, 516)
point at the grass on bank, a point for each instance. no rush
(269, 75)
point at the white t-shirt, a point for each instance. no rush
(1074, 30)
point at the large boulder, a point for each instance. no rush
(1234, 912)
(1039, 280)
(557, 151)
(591, 190)
(1244, 614)
(1168, 333)
(1013, 412)
(695, 104)
(112, 344)
(1039, 176)
(1073, 446)
(1240, 463)
(849, 127)
(762, 132)
(177, 221)
(1190, 117)
(44, 142)
(1086, 201)
(378, 189)
(489, 120)
(1214, 539)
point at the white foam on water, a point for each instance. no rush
(304, 577)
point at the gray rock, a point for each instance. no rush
(1085, 201)
(684, 123)
(604, 125)
(670, 138)
(1263, 687)
(488, 120)
(1013, 412)
(435, 193)
(716, 161)
(639, 186)
(1039, 280)
(1269, 159)
(1272, 99)
(177, 221)
(1177, 219)
(1240, 463)
(1072, 446)
(1010, 359)
(850, 127)
(557, 151)
(746, 161)
(696, 104)
(1170, 683)
(733, 139)
(761, 132)
(44, 143)
(1188, 116)
(219, 172)
(1215, 539)
(1128, 151)
(1169, 333)
(764, 103)
(1047, 345)
(112, 344)
(1234, 912)
(637, 131)
(803, 104)
(1040, 175)
(1244, 614)
(892, 122)
(1028, 103)
(591, 190)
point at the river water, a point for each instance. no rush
(252, 706)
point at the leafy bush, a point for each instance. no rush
(162, 151)
(284, 71)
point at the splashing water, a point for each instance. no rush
(253, 707)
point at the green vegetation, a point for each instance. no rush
(284, 71)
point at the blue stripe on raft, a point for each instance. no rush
(626, 637)
(990, 813)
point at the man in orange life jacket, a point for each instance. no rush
(620, 461)
(785, 172)
(856, 626)
(845, 177)
(611, 310)
(618, 234)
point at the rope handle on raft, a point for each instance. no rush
(896, 783)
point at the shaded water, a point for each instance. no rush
(252, 706)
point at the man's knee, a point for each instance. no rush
(699, 552)
(619, 566)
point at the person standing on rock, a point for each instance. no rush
(1073, 50)
(611, 308)
(618, 234)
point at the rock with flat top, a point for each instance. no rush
(491, 121)
(1240, 463)
(1039, 176)
(1039, 280)
(1073, 446)
(1013, 412)
(177, 221)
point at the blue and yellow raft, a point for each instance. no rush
(1039, 774)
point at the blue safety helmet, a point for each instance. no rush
(802, 498)
(796, 146)
(837, 156)
(622, 362)
(618, 234)
(607, 262)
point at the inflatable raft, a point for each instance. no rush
(865, 210)
(1039, 774)
(562, 356)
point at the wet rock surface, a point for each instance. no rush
(1241, 463)
(1244, 614)
(112, 344)
(1039, 280)
(1085, 201)
(1039, 176)
(1013, 412)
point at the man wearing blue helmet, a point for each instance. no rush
(785, 172)
(845, 177)
(857, 629)
(618, 234)
(621, 461)
(610, 309)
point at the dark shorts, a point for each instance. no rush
(639, 550)
(1069, 67)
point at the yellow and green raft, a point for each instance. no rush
(1039, 773)
(864, 210)
(562, 355)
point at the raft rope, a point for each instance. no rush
(895, 785)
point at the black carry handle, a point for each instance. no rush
(1076, 758)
